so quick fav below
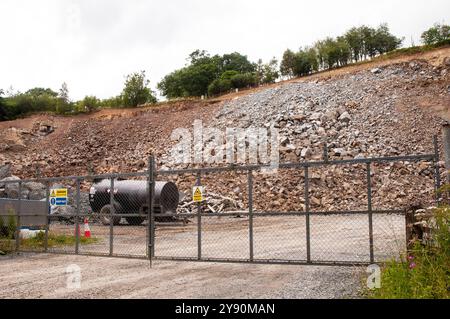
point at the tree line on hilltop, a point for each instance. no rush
(206, 75)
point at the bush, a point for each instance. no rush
(8, 231)
(219, 86)
(425, 272)
(244, 80)
(88, 104)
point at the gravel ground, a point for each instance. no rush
(44, 276)
(334, 238)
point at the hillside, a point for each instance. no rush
(387, 107)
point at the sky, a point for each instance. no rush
(93, 45)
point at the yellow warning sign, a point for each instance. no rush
(60, 192)
(197, 193)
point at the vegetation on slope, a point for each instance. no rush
(206, 75)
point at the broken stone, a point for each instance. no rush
(345, 117)
(376, 70)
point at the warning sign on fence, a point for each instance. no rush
(197, 193)
(58, 197)
(59, 192)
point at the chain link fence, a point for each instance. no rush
(246, 213)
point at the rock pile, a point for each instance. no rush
(372, 113)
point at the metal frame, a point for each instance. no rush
(152, 173)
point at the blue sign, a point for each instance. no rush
(58, 201)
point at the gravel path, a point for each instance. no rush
(44, 276)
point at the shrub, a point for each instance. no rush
(244, 80)
(219, 86)
(425, 272)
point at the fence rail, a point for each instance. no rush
(249, 234)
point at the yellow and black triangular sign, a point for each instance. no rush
(197, 194)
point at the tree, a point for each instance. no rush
(197, 77)
(267, 73)
(88, 104)
(219, 86)
(237, 62)
(384, 41)
(355, 41)
(288, 64)
(436, 34)
(3, 113)
(242, 80)
(136, 91)
(35, 92)
(63, 104)
(302, 64)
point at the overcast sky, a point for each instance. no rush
(92, 45)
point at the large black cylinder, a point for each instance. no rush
(132, 195)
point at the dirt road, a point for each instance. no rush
(44, 276)
(338, 238)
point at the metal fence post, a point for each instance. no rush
(151, 217)
(111, 219)
(47, 220)
(18, 218)
(250, 212)
(437, 175)
(446, 148)
(325, 151)
(369, 208)
(199, 222)
(307, 210)
(77, 218)
(152, 212)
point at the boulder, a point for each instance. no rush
(37, 191)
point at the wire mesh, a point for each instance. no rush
(246, 214)
(389, 236)
(340, 237)
(280, 238)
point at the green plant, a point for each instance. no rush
(436, 34)
(136, 91)
(2, 228)
(12, 225)
(55, 240)
(425, 271)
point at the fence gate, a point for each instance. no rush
(329, 212)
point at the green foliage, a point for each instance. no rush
(220, 86)
(267, 73)
(88, 104)
(115, 101)
(136, 91)
(55, 240)
(439, 33)
(304, 62)
(236, 62)
(63, 105)
(425, 272)
(356, 44)
(287, 64)
(3, 111)
(207, 74)
(8, 230)
(244, 80)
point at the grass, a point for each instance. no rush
(7, 245)
(425, 272)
